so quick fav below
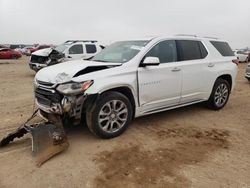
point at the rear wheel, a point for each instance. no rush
(13, 56)
(110, 116)
(220, 94)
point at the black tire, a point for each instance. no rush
(13, 56)
(93, 116)
(213, 101)
(248, 79)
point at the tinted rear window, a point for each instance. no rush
(190, 50)
(223, 48)
(90, 48)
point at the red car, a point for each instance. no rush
(39, 48)
(6, 53)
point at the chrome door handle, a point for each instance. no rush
(176, 69)
(210, 65)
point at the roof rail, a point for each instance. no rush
(187, 35)
(74, 41)
(211, 37)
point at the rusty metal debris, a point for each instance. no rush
(48, 138)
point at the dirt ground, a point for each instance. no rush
(188, 147)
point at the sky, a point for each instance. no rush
(55, 21)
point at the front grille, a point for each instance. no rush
(38, 59)
(47, 84)
(46, 97)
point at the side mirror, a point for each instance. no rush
(151, 61)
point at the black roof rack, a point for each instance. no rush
(73, 41)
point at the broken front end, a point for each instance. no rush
(40, 60)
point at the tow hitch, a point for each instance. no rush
(48, 138)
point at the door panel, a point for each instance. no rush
(160, 86)
(197, 75)
(195, 70)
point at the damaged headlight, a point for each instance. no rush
(74, 87)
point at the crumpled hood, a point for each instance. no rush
(64, 72)
(43, 52)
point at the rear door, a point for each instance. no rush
(195, 70)
(76, 51)
(160, 86)
(91, 50)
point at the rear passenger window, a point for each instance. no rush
(204, 52)
(76, 49)
(90, 48)
(165, 51)
(190, 50)
(223, 48)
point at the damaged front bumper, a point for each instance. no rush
(48, 138)
(36, 66)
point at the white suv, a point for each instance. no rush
(138, 77)
(69, 50)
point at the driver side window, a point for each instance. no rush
(165, 51)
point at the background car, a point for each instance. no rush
(26, 50)
(39, 47)
(248, 72)
(6, 53)
(69, 50)
(3, 46)
(241, 55)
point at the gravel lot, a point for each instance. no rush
(188, 147)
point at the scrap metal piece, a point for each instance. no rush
(18, 133)
(48, 139)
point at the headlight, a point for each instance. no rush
(75, 87)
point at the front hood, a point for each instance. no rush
(43, 52)
(64, 72)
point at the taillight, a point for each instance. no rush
(235, 61)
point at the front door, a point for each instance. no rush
(160, 86)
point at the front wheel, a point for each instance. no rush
(110, 116)
(220, 94)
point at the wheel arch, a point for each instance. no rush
(226, 77)
(125, 90)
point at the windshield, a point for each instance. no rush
(120, 52)
(61, 47)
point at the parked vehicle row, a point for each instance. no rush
(248, 72)
(242, 56)
(135, 78)
(69, 50)
(7, 53)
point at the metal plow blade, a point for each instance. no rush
(48, 139)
